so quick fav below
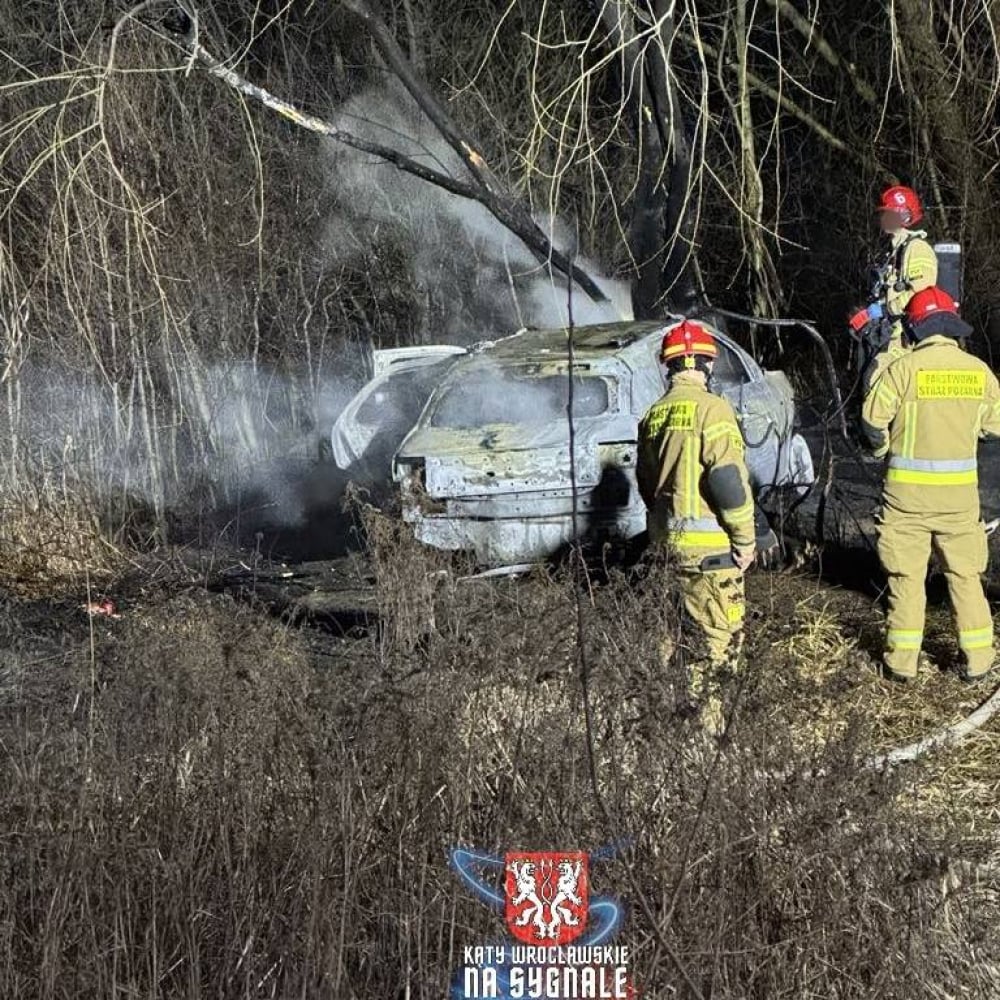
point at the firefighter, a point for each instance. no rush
(693, 479)
(925, 414)
(907, 265)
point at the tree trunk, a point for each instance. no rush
(680, 283)
(661, 228)
(765, 288)
(647, 222)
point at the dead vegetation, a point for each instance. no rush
(829, 648)
(48, 547)
(200, 800)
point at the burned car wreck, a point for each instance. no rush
(479, 438)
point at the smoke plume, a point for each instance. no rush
(478, 279)
(219, 436)
(214, 437)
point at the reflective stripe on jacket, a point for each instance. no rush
(926, 412)
(691, 452)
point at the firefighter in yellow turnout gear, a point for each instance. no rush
(926, 413)
(693, 480)
(908, 265)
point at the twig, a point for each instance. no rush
(786, 102)
(813, 38)
(817, 337)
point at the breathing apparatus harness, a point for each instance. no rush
(872, 327)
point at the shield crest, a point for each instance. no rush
(546, 895)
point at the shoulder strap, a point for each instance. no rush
(889, 259)
(900, 252)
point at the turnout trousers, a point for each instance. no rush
(712, 608)
(905, 543)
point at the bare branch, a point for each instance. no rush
(509, 214)
(784, 101)
(808, 30)
(492, 193)
(322, 127)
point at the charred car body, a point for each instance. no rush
(480, 444)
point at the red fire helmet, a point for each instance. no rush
(902, 201)
(929, 301)
(688, 339)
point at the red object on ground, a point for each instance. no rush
(105, 606)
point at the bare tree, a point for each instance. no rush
(154, 222)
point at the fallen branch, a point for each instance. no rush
(321, 127)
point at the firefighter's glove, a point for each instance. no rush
(768, 549)
(743, 556)
(865, 316)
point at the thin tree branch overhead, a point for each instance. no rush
(506, 208)
(811, 34)
(484, 188)
(782, 99)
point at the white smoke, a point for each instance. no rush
(212, 435)
(216, 433)
(478, 278)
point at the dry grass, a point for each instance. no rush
(50, 545)
(203, 801)
(831, 643)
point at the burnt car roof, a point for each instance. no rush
(603, 338)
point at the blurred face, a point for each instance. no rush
(889, 222)
(709, 365)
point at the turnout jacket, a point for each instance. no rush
(927, 412)
(910, 264)
(692, 473)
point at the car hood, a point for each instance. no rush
(507, 458)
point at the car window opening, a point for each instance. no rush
(508, 398)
